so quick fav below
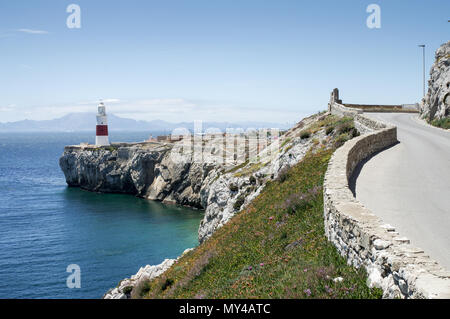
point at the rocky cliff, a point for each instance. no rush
(148, 170)
(436, 103)
(220, 175)
(195, 173)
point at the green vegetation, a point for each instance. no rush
(287, 140)
(442, 123)
(110, 148)
(323, 121)
(288, 147)
(283, 174)
(274, 248)
(239, 202)
(254, 167)
(127, 290)
(305, 134)
(234, 169)
(167, 284)
(344, 131)
(329, 130)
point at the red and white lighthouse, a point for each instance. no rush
(101, 136)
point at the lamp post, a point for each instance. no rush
(423, 50)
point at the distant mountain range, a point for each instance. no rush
(74, 122)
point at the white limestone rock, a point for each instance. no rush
(436, 103)
(145, 273)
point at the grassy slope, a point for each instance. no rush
(275, 248)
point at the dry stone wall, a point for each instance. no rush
(393, 264)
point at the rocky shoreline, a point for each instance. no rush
(125, 288)
(175, 173)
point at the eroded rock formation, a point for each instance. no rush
(436, 103)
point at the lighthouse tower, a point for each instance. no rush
(101, 136)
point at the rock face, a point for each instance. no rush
(149, 171)
(436, 103)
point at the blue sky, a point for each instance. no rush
(210, 60)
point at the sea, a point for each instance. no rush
(45, 226)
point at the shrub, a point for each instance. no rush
(305, 134)
(127, 290)
(239, 202)
(233, 187)
(141, 289)
(341, 139)
(167, 283)
(443, 123)
(283, 174)
(329, 130)
(346, 125)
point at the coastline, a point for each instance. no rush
(157, 171)
(162, 172)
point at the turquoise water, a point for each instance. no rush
(46, 226)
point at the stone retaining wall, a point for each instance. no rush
(392, 263)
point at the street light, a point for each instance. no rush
(423, 47)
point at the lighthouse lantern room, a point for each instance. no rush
(101, 136)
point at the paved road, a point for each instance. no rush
(408, 185)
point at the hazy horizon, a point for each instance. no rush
(86, 121)
(212, 61)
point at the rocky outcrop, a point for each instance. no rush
(436, 103)
(129, 285)
(156, 172)
(222, 197)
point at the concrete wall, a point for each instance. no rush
(392, 263)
